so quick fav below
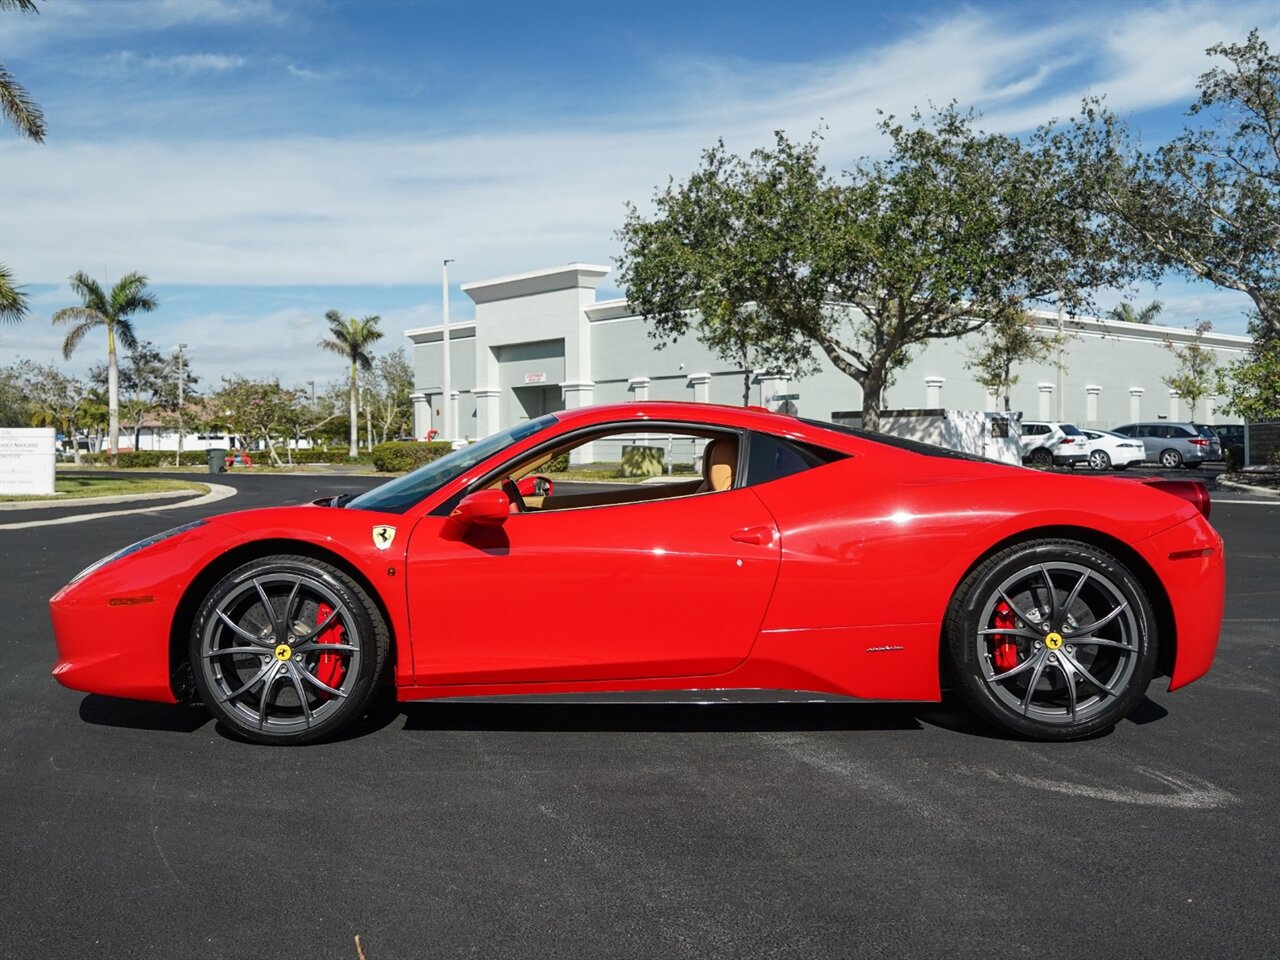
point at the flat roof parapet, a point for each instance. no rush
(568, 277)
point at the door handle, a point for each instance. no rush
(761, 536)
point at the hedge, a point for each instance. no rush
(147, 458)
(400, 456)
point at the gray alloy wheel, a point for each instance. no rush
(1170, 459)
(1098, 460)
(287, 649)
(1041, 458)
(1052, 639)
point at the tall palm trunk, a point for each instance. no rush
(353, 452)
(113, 395)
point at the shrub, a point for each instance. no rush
(147, 458)
(559, 464)
(400, 456)
(1235, 458)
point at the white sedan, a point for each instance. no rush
(1107, 450)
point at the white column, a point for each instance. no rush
(577, 394)
(993, 403)
(486, 410)
(1046, 400)
(639, 388)
(772, 384)
(1210, 409)
(1091, 403)
(701, 383)
(933, 391)
(421, 415)
(1174, 397)
(1135, 403)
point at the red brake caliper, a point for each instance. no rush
(329, 666)
(1005, 653)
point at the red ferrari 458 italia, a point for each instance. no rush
(802, 557)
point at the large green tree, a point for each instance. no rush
(112, 311)
(13, 299)
(953, 228)
(256, 409)
(351, 339)
(1207, 203)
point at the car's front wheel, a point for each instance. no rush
(1170, 459)
(1098, 460)
(1051, 639)
(287, 649)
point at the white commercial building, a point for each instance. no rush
(542, 342)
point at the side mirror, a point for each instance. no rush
(489, 508)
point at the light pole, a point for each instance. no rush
(182, 388)
(444, 340)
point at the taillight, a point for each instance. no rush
(1193, 491)
(1200, 442)
(1066, 440)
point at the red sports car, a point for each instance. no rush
(802, 557)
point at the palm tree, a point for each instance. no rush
(1127, 314)
(351, 338)
(16, 104)
(112, 311)
(13, 301)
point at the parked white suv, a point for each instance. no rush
(1047, 443)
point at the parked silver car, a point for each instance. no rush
(1174, 444)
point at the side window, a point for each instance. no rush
(1145, 431)
(770, 458)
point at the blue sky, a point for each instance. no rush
(265, 161)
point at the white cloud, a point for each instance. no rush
(186, 63)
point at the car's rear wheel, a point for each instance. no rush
(1041, 459)
(1170, 459)
(287, 649)
(1098, 460)
(1051, 639)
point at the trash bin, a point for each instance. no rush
(218, 459)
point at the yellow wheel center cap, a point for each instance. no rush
(1053, 641)
(284, 651)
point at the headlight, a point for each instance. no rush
(135, 547)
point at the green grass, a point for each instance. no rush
(72, 487)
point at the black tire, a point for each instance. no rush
(1170, 459)
(1040, 458)
(1099, 460)
(287, 650)
(1031, 674)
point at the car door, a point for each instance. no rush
(664, 588)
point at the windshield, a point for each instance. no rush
(398, 495)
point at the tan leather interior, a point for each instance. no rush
(719, 460)
(632, 493)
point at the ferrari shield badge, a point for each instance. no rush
(382, 536)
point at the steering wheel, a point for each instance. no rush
(513, 494)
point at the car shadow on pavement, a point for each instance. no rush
(659, 717)
(142, 714)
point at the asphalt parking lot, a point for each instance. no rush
(804, 830)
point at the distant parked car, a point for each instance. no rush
(1108, 450)
(1230, 434)
(1175, 444)
(1048, 443)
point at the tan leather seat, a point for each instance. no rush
(719, 461)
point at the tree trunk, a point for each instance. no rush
(113, 395)
(871, 389)
(746, 388)
(353, 450)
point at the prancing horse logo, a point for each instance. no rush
(382, 536)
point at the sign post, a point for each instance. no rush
(26, 460)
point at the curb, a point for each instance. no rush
(216, 492)
(109, 498)
(1247, 488)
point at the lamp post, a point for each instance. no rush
(444, 340)
(182, 388)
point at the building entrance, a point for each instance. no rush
(535, 401)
